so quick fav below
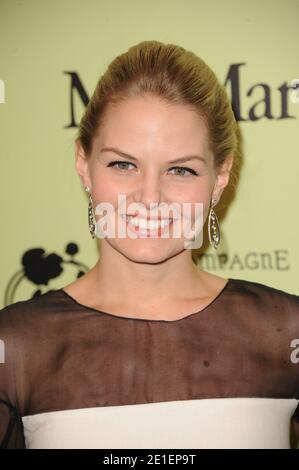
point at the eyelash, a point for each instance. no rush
(193, 172)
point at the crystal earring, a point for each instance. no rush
(213, 225)
(91, 219)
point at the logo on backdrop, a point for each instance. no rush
(251, 104)
(40, 270)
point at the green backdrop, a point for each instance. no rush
(43, 205)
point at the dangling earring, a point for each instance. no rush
(91, 220)
(213, 225)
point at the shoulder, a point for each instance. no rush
(265, 296)
(26, 314)
(258, 288)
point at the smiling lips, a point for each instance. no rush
(149, 223)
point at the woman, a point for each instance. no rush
(146, 350)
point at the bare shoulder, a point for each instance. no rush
(212, 284)
(78, 288)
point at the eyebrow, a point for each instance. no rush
(126, 155)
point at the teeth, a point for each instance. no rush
(144, 224)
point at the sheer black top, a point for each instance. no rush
(61, 355)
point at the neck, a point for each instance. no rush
(116, 278)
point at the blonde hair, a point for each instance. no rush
(175, 75)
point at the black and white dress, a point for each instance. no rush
(226, 376)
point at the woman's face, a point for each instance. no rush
(154, 134)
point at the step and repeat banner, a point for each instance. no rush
(51, 56)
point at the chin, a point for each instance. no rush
(148, 251)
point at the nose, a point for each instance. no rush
(150, 190)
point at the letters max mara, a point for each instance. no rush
(226, 376)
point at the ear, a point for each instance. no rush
(82, 164)
(223, 177)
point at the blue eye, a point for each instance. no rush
(124, 163)
(117, 162)
(193, 172)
